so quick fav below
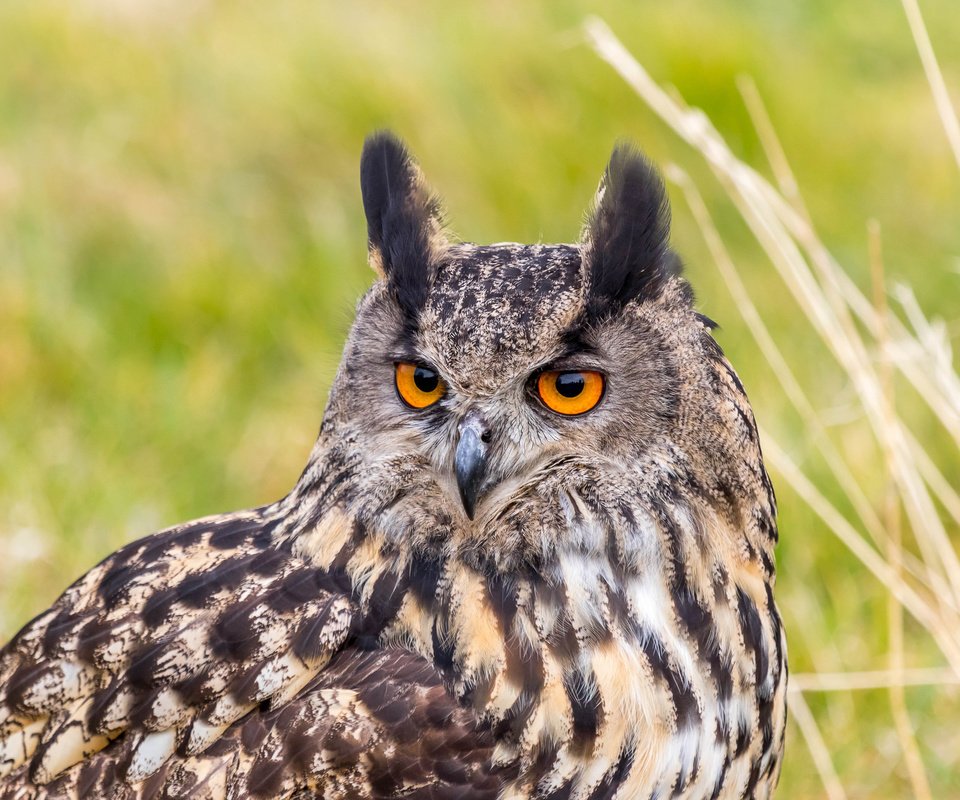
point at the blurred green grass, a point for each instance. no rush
(181, 244)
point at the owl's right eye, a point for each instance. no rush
(418, 387)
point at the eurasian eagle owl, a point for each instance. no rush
(531, 555)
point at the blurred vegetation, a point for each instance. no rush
(181, 244)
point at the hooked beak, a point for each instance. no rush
(470, 462)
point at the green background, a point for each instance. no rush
(182, 242)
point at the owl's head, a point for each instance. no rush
(488, 395)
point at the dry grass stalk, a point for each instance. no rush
(919, 608)
(941, 97)
(898, 702)
(800, 712)
(873, 679)
(776, 156)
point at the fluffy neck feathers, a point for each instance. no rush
(595, 625)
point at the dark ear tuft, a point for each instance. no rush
(625, 243)
(404, 231)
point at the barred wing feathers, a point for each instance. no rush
(210, 660)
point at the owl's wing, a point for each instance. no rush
(199, 649)
(373, 724)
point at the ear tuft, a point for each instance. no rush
(625, 243)
(404, 229)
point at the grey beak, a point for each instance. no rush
(471, 460)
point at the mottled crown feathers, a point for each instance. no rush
(624, 244)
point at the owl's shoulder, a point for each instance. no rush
(212, 653)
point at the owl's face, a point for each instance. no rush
(480, 383)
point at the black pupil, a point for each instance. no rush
(570, 384)
(426, 380)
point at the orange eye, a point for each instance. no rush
(417, 386)
(570, 393)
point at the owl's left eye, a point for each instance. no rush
(418, 387)
(570, 392)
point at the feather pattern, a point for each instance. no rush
(604, 625)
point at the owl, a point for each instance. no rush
(530, 556)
